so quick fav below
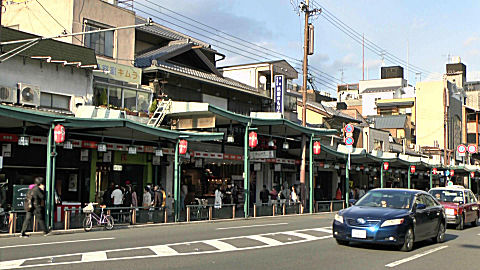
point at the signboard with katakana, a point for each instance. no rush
(119, 72)
(279, 92)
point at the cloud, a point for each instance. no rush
(470, 40)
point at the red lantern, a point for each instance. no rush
(434, 171)
(452, 172)
(472, 174)
(182, 147)
(412, 169)
(317, 148)
(252, 139)
(385, 166)
(59, 134)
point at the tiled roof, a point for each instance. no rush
(165, 32)
(209, 77)
(390, 121)
(145, 59)
(380, 89)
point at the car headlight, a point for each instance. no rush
(450, 211)
(338, 218)
(393, 222)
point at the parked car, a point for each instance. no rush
(461, 205)
(397, 217)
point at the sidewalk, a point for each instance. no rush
(72, 231)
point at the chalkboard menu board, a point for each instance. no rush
(19, 194)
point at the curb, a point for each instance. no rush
(123, 227)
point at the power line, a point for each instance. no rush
(334, 20)
(51, 16)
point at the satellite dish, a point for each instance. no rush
(263, 79)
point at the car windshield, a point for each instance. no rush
(455, 196)
(387, 198)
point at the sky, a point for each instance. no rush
(428, 31)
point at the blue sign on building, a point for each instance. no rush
(279, 92)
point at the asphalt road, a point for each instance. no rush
(291, 242)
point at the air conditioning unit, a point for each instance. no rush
(29, 94)
(8, 94)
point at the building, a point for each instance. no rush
(399, 126)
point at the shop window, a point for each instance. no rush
(101, 42)
(143, 101)
(48, 100)
(100, 95)
(115, 96)
(130, 99)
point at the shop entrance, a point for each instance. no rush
(118, 175)
(324, 179)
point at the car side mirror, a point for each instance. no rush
(352, 202)
(420, 206)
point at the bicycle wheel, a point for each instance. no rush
(109, 224)
(87, 223)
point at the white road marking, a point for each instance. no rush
(302, 235)
(163, 250)
(393, 264)
(322, 230)
(61, 242)
(266, 240)
(11, 264)
(250, 226)
(222, 246)
(94, 256)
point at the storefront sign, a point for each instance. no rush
(107, 157)
(262, 154)
(279, 92)
(159, 153)
(132, 150)
(84, 155)
(117, 168)
(68, 145)
(59, 134)
(198, 163)
(101, 147)
(119, 72)
(7, 150)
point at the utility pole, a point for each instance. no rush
(305, 7)
(1, 11)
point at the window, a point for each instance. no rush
(377, 145)
(100, 95)
(429, 201)
(119, 97)
(101, 42)
(53, 101)
(130, 99)
(115, 96)
(472, 196)
(143, 101)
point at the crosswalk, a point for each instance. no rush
(230, 244)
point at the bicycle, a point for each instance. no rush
(103, 219)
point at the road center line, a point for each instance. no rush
(250, 226)
(60, 242)
(393, 264)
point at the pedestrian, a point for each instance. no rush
(164, 196)
(134, 197)
(117, 196)
(338, 195)
(158, 198)
(147, 197)
(107, 195)
(228, 193)
(293, 195)
(281, 196)
(218, 198)
(361, 192)
(35, 206)
(127, 196)
(235, 194)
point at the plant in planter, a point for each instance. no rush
(153, 107)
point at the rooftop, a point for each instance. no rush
(388, 122)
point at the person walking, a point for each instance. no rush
(338, 195)
(218, 198)
(158, 199)
(293, 195)
(36, 208)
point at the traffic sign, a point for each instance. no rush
(349, 141)
(461, 149)
(472, 149)
(348, 128)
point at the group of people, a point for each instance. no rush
(126, 196)
(355, 193)
(227, 195)
(283, 196)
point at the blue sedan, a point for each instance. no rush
(397, 217)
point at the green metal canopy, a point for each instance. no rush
(117, 127)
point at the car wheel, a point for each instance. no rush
(409, 240)
(475, 222)
(461, 225)
(342, 242)
(440, 238)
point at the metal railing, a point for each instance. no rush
(276, 208)
(329, 206)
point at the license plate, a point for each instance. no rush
(359, 234)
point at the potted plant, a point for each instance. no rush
(153, 107)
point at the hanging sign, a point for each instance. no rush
(279, 93)
(317, 148)
(385, 166)
(252, 139)
(412, 169)
(182, 147)
(59, 134)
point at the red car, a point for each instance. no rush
(461, 205)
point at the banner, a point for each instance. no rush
(279, 92)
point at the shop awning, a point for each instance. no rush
(13, 117)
